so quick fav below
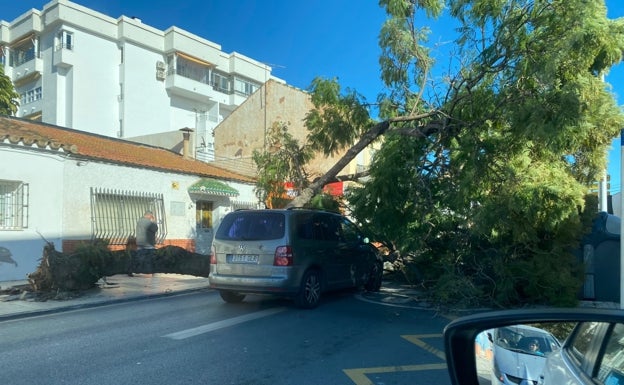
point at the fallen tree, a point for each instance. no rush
(91, 262)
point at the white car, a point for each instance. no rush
(592, 352)
(519, 353)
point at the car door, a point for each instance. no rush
(611, 357)
(329, 238)
(576, 363)
(355, 253)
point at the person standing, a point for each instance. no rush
(146, 229)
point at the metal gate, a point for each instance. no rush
(114, 214)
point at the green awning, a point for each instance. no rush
(209, 186)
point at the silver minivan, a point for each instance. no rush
(297, 253)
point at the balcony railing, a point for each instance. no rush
(20, 57)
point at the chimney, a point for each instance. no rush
(186, 142)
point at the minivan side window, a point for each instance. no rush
(319, 227)
(350, 232)
(306, 227)
(331, 227)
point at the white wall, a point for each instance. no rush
(94, 87)
(81, 176)
(44, 174)
(142, 89)
(60, 201)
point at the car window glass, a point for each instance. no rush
(252, 226)
(307, 227)
(331, 228)
(611, 370)
(349, 231)
(582, 340)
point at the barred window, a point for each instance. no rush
(13, 205)
(114, 214)
(241, 205)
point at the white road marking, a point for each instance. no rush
(223, 324)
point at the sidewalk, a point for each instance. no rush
(121, 288)
(118, 288)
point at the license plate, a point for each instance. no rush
(242, 258)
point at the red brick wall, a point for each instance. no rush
(69, 246)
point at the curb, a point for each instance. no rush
(97, 303)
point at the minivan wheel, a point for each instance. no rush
(309, 294)
(231, 296)
(374, 279)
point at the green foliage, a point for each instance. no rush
(283, 161)
(337, 119)
(325, 202)
(481, 179)
(91, 260)
(9, 99)
(488, 196)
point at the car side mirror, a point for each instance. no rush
(483, 348)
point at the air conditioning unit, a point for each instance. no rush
(160, 65)
(160, 74)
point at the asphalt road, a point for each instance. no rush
(195, 338)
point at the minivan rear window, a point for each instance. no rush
(251, 226)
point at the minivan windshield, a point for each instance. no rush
(251, 226)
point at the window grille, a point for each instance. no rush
(240, 205)
(114, 214)
(13, 205)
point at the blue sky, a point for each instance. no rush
(299, 39)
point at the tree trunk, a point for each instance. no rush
(308, 193)
(81, 271)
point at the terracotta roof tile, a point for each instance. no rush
(45, 136)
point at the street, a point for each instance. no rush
(196, 338)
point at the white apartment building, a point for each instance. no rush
(81, 69)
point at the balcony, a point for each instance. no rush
(188, 88)
(189, 85)
(27, 71)
(63, 56)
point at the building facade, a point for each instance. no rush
(81, 69)
(66, 187)
(246, 128)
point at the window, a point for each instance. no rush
(22, 53)
(221, 82)
(13, 205)
(188, 67)
(319, 227)
(244, 87)
(612, 366)
(581, 343)
(203, 215)
(115, 213)
(65, 40)
(252, 226)
(350, 232)
(31, 95)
